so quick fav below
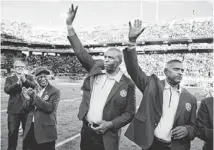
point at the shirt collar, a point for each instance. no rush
(167, 86)
(42, 90)
(116, 77)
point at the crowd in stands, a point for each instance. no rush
(57, 64)
(198, 65)
(198, 27)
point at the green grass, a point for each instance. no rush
(68, 123)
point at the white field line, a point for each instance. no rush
(64, 100)
(67, 140)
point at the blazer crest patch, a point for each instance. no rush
(188, 106)
(123, 93)
(46, 97)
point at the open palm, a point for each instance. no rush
(71, 15)
(135, 31)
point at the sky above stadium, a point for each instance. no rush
(51, 14)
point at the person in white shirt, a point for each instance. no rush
(108, 101)
(166, 116)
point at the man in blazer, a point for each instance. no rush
(166, 116)
(108, 101)
(204, 123)
(13, 87)
(41, 126)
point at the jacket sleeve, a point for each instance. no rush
(50, 105)
(191, 126)
(29, 82)
(138, 76)
(27, 105)
(204, 130)
(85, 59)
(129, 112)
(10, 87)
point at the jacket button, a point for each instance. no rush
(156, 124)
(160, 114)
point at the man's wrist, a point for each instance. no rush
(70, 26)
(110, 124)
(131, 45)
(132, 40)
(71, 31)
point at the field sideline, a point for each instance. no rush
(68, 123)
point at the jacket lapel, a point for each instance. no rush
(114, 89)
(162, 85)
(46, 90)
(14, 78)
(180, 105)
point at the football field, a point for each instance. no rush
(68, 124)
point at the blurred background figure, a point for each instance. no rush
(13, 87)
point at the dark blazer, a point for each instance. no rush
(44, 110)
(14, 91)
(141, 129)
(118, 109)
(204, 123)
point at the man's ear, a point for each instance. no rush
(165, 71)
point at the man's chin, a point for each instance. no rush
(108, 70)
(178, 81)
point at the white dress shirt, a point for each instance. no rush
(101, 88)
(170, 103)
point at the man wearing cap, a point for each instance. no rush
(13, 87)
(41, 131)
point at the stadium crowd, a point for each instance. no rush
(197, 27)
(198, 64)
(56, 64)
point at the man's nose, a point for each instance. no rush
(180, 72)
(106, 60)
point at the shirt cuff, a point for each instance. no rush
(131, 45)
(71, 31)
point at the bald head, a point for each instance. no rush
(172, 62)
(117, 53)
(112, 60)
